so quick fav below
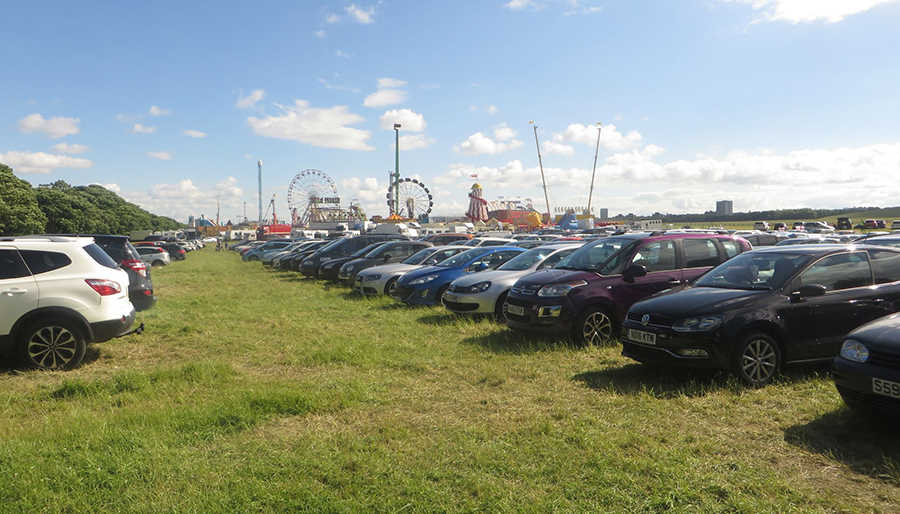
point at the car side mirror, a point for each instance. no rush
(387, 257)
(634, 271)
(481, 266)
(809, 290)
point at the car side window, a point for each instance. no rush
(42, 262)
(840, 271)
(886, 266)
(731, 246)
(699, 253)
(656, 256)
(498, 258)
(11, 266)
(553, 259)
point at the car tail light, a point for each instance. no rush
(138, 267)
(104, 287)
(181, 251)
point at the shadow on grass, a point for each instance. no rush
(670, 382)
(865, 443)
(11, 365)
(515, 343)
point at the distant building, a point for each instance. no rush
(604, 213)
(725, 207)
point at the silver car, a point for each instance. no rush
(485, 292)
(381, 279)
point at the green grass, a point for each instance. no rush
(256, 391)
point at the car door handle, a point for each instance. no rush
(674, 281)
(10, 292)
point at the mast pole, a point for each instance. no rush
(541, 164)
(593, 173)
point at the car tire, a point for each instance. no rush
(439, 296)
(757, 360)
(500, 308)
(595, 327)
(252, 258)
(53, 344)
(157, 264)
(389, 287)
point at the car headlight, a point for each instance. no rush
(372, 277)
(349, 268)
(423, 280)
(328, 266)
(699, 323)
(855, 351)
(560, 289)
(307, 262)
(475, 288)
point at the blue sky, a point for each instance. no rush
(769, 103)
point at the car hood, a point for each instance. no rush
(495, 277)
(883, 333)
(390, 268)
(692, 301)
(536, 279)
(421, 272)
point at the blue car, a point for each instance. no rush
(427, 285)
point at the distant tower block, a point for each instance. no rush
(259, 164)
(725, 207)
(604, 213)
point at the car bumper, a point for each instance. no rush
(308, 271)
(481, 303)
(415, 295)
(106, 330)
(854, 382)
(551, 317)
(142, 299)
(369, 287)
(676, 348)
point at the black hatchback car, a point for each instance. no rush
(341, 248)
(766, 308)
(867, 369)
(388, 253)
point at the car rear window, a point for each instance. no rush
(100, 256)
(40, 261)
(11, 265)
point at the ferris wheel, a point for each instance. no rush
(310, 191)
(414, 199)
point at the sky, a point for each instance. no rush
(768, 103)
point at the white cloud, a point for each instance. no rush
(227, 187)
(385, 97)
(163, 156)
(40, 162)
(186, 198)
(809, 11)
(326, 128)
(156, 111)
(338, 88)
(331, 18)
(246, 102)
(109, 187)
(63, 148)
(504, 133)
(366, 189)
(127, 118)
(364, 16)
(610, 137)
(140, 129)
(390, 83)
(492, 110)
(409, 120)
(478, 143)
(345, 55)
(55, 127)
(414, 142)
(520, 5)
(552, 147)
(320, 33)
(194, 133)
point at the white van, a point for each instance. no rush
(895, 225)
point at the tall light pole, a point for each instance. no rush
(396, 202)
(260, 191)
(217, 210)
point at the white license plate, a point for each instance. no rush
(515, 309)
(449, 297)
(639, 336)
(886, 388)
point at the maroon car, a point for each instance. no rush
(588, 293)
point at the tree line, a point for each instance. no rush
(801, 214)
(60, 208)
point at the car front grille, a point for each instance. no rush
(403, 292)
(884, 359)
(525, 290)
(461, 307)
(655, 320)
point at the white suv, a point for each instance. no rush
(56, 295)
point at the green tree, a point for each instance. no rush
(19, 211)
(66, 211)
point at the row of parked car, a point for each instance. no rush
(676, 298)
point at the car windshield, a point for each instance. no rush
(420, 256)
(757, 270)
(605, 256)
(526, 259)
(371, 248)
(461, 258)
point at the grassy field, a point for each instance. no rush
(256, 391)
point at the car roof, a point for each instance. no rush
(813, 249)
